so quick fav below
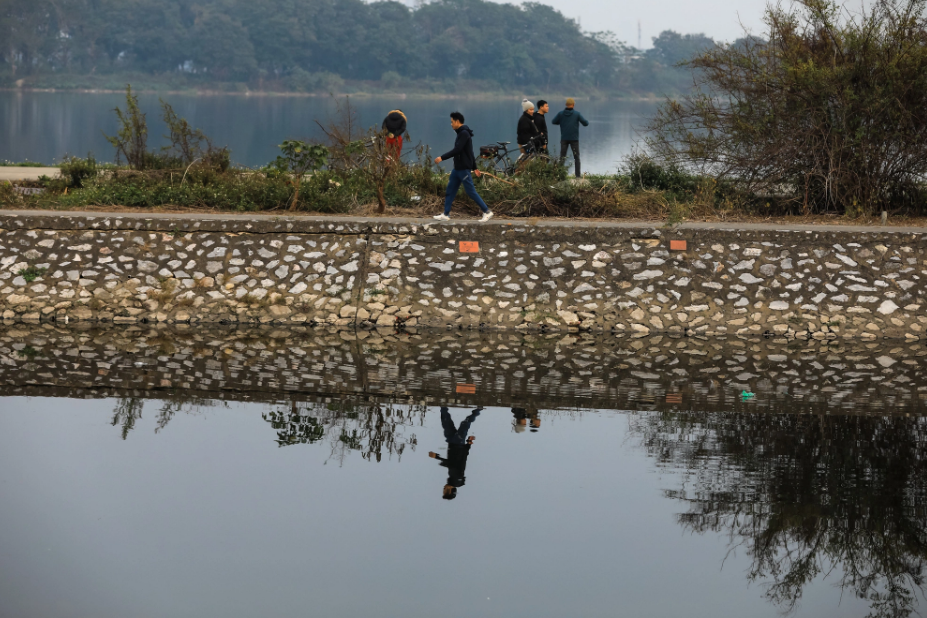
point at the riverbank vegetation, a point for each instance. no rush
(353, 172)
(344, 46)
(823, 117)
(827, 113)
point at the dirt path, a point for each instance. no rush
(26, 173)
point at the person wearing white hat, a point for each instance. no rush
(527, 130)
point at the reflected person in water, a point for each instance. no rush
(522, 417)
(458, 449)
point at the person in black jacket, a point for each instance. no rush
(541, 123)
(464, 163)
(527, 130)
(458, 449)
(394, 125)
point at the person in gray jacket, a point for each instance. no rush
(569, 121)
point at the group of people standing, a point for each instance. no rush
(532, 135)
(532, 129)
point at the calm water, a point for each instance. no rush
(152, 471)
(45, 126)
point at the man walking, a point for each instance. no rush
(464, 163)
(394, 125)
(569, 121)
(541, 123)
(527, 130)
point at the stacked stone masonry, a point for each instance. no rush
(190, 364)
(793, 283)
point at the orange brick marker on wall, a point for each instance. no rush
(677, 245)
(469, 246)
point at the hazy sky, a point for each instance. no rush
(719, 20)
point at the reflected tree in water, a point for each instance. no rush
(127, 411)
(373, 429)
(806, 496)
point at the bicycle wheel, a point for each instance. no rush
(502, 167)
(521, 162)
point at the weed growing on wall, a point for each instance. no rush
(31, 273)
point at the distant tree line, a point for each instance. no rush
(315, 44)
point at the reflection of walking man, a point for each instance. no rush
(458, 449)
(569, 121)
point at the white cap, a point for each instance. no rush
(526, 105)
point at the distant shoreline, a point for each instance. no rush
(488, 96)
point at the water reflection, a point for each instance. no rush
(523, 418)
(369, 428)
(822, 474)
(458, 449)
(805, 496)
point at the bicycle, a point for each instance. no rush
(534, 149)
(498, 156)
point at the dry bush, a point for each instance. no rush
(826, 114)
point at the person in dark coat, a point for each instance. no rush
(527, 130)
(394, 125)
(541, 123)
(523, 417)
(464, 163)
(569, 121)
(458, 450)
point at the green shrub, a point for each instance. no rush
(27, 163)
(76, 170)
(645, 174)
(231, 191)
(7, 195)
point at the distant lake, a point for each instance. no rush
(45, 126)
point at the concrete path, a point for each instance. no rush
(26, 173)
(498, 222)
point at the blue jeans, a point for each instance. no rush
(457, 178)
(453, 434)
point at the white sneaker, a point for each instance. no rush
(486, 216)
(442, 217)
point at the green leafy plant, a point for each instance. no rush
(300, 158)
(28, 352)
(75, 171)
(31, 273)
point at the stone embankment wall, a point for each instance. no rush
(185, 363)
(631, 279)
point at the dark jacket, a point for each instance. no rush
(541, 123)
(395, 123)
(526, 129)
(456, 464)
(569, 121)
(462, 150)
